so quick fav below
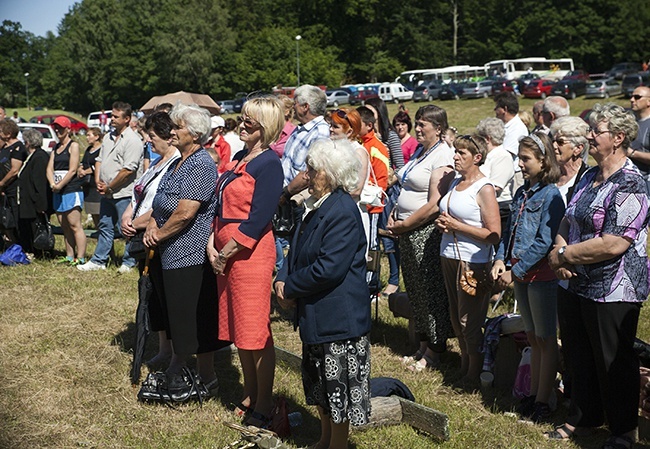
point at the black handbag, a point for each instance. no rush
(43, 235)
(7, 219)
(284, 220)
(137, 250)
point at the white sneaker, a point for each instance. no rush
(90, 266)
(123, 269)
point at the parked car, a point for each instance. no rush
(479, 89)
(362, 94)
(603, 88)
(337, 97)
(525, 79)
(93, 118)
(49, 136)
(538, 88)
(570, 88)
(576, 75)
(394, 92)
(76, 126)
(631, 82)
(227, 106)
(503, 85)
(618, 71)
(238, 102)
(427, 91)
(451, 91)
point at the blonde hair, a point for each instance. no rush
(268, 111)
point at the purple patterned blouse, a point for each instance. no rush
(618, 206)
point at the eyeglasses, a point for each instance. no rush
(560, 141)
(597, 132)
(468, 137)
(638, 97)
(249, 123)
(342, 114)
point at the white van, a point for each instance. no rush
(94, 120)
(394, 92)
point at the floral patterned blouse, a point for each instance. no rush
(618, 206)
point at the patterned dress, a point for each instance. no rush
(247, 199)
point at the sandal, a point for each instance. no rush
(263, 422)
(618, 442)
(418, 366)
(411, 359)
(241, 411)
(563, 433)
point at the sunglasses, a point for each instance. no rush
(597, 132)
(249, 123)
(637, 97)
(342, 114)
(468, 137)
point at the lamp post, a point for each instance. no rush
(27, 88)
(298, 37)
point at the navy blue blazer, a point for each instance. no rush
(325, 271)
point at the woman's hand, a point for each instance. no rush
(151, 238)
(127, 227)
(565, 272)
(498, 268)
(446, 223)
(279, 293)
(504, 280)
(81, 172)
(218, 265)
(395, 227)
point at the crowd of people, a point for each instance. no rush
(461, 216)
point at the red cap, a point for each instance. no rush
(62, 121)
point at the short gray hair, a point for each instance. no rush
(195, 118)
(338, 160)
(492, 128)
(618, 121)
(33, 139)
(557, 105)
(573, 129)
(313, 96)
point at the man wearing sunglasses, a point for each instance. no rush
(639, 150)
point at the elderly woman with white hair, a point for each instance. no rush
(180, 225)
(601, 249)
(325, 280)
(571, 148)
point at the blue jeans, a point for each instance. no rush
(110, 214)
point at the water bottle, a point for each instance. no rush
(295, 419)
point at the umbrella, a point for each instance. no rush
(205, 101)
(142, 325)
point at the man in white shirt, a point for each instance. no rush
(506, 109)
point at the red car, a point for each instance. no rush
(538, 89)
(77, 127)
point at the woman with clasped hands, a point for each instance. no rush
(325, 280)
(242, 253)
(180, 225)
(601, 249)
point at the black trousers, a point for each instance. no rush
(598, 342)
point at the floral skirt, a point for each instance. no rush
(336, 376)
(422, 272)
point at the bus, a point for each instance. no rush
(545, 68)
(456, 73)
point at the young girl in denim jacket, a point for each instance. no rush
(535, 215)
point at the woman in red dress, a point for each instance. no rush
(242, 253)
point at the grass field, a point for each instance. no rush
(65, 348)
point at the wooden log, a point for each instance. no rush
(386, 411)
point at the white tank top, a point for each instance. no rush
(463, 206)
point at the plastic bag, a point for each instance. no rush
(521, 388)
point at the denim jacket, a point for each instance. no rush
(538, 225)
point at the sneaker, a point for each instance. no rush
(64, 260)
(124, 269)
(91, 266)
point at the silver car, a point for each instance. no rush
(481, 89)
(603, 88)
(337, 97)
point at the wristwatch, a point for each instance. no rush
(222, 256)
(561, 251)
